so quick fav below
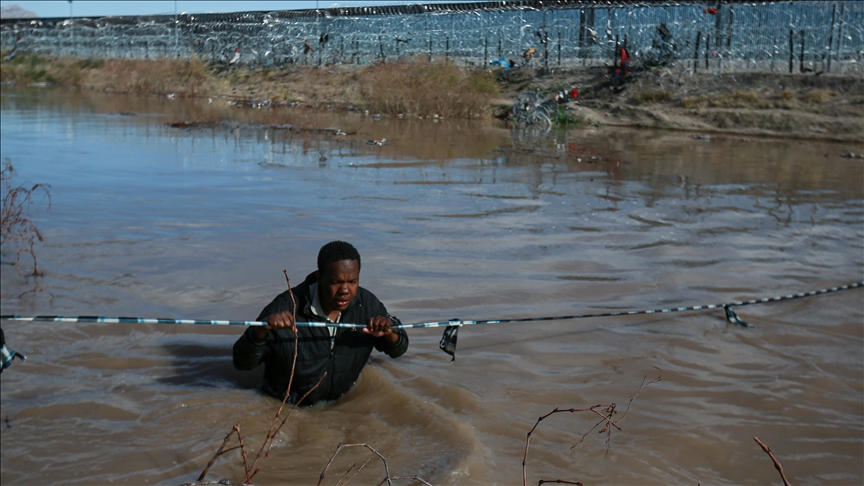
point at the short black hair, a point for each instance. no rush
(336, 251)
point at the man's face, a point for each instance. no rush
(337, 285)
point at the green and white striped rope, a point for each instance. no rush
(452, 322)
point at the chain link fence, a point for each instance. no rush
(789, 36)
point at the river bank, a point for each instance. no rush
(800, 106)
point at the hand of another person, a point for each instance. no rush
(380, 326)
(281, 320)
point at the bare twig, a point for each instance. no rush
(655, 380)
(221, 451)
(340, 483)
(414, 478)
(604, 411)
(776, 462)
(387, 479)
(242, 447)
(272, 435)
(15, 226)
(611, 410)
(558, 481)
(528, 438)
(296, 334)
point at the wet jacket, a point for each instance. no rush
(343, 364)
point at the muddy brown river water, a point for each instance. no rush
(452, 219)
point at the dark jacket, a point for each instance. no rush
(343, 364)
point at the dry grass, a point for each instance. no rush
(749, 99)
(738, 99)
(420, 88)
(694, 102)
(27, 69)
(818, 96)
(184, 78)
(651, 97)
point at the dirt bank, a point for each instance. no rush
(804, 106)
(771, 104)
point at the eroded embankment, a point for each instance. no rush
(806, 106)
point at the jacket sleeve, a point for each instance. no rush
(249, 352)
(394, 350)
(376, 308)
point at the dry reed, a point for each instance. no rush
(16, 227)
(419, 87)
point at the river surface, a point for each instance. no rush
(453, 220)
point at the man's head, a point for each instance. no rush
(336, 251)
(338, 275)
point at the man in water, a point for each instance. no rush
(330, 295)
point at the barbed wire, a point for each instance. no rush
(827, 36)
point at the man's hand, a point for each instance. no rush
(380, 326)
(282, 320)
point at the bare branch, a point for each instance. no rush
(387, 479)
(340, 483)
(607, 412)
(776, 462)
(271, 436)
(219, 452)
(643, 385)
(15, 226)
(414, 478)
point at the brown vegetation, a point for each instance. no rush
(416, 87)
(183, 78)
(16, 227)
(651, 97)
(419, 87)
(793, 105)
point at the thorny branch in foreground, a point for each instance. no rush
(271, 434)
(776, 462)
(387, 478)
(15, 226)
(607, 412)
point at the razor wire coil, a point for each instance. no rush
(825, 36)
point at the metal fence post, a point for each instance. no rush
(696, 52)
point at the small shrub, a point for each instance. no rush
(422, 87)
(741, 98)
(651, 97)
(818, 96)
(788, 95)
(15, 225)
(694, 102)
(91, 63)
(563, 119)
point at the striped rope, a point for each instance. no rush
(452, 322)
(649, 311)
